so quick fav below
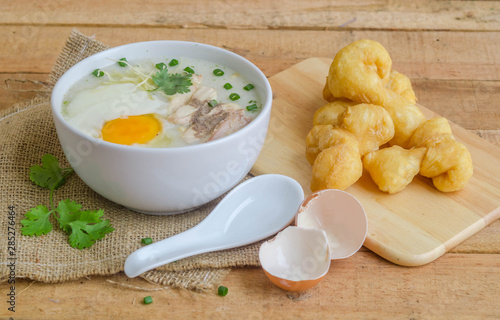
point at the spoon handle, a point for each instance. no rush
(182, 245)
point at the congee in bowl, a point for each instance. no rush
(162, 127)
(167, 102)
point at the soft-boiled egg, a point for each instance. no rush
(131, 130)
(118, 113)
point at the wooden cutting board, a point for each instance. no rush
(410, 228)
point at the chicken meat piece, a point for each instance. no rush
(219, 121)
(199, 101)
(234, 122)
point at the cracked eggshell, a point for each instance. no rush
(340, 215)
(296, 259)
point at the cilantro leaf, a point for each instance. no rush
(171, 84)
(83, 227)
(84, 235)
(68, 211)
(36, 222)
(49, 175)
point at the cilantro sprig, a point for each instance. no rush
(172, 83)
(84, 227)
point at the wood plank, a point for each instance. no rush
(360, 287)
(260, 14)
(486, 241)
(412, 227)
(420, 55)
(470, 103)
(19, 87)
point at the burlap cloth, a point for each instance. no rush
(27, 132)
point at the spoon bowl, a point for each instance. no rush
(254, 210)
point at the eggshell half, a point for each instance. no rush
(296, 259)
(340, 215)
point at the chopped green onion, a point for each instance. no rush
(234, 96)
(173, 62)
(213, 103)
(248, 87)
(252, 107)
(228, 86)
(218, 72)
(66, 102)
(252, 101)
(122, 64)
(98, 73)
(148, 300)
(222, 291)
(161, 66)
(147, 241)
(189, 70)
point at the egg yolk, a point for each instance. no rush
(130, 130)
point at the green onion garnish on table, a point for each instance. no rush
(147, 241)
(148, 300)
(222, 291)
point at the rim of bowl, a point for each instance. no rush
(266, 105)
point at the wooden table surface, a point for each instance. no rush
(450, 50)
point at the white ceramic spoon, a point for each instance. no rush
(254, 210)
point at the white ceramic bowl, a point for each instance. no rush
(163, 180)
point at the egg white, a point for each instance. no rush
(90, 109)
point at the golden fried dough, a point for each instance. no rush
(322, 137)
(370, 124)
(392, 169)
(328, 114)
(337, 167)
(327, 95)
(401, 84)
(314, 139)
(371, 104)
(362, 72)
(335, 151)
(431, 132)
(407, 118)
(449, 164)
